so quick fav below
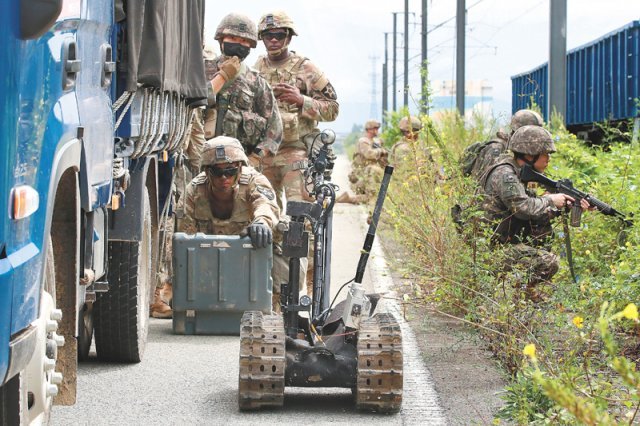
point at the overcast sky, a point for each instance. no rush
(504, 38)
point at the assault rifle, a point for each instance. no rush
(565, 186)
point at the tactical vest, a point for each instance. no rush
(359, 159)
(294, 127)
(241, 215)
(235, 112)
(509, 228)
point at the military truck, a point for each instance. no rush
(96, 99)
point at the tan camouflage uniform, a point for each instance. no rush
(523, 220)
(300, 126)
(250, 112)
(254, 200)
(400, 152)
(371, 157)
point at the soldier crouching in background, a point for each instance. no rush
(519, 218)
(367, 166)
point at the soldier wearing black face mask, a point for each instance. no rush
(241, 103)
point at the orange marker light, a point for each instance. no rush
(25, 201)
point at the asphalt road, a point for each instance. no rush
(194, 379)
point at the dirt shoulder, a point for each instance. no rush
(467, 377)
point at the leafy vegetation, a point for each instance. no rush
(584, 369)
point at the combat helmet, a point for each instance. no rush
(277, 19)
(416, 124)
(531, 140)
(223, 150)
(525, 117)
(370, 124)
(236, 24)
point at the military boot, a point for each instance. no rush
(159, 309)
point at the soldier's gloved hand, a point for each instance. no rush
(260, 234)
(230, 68)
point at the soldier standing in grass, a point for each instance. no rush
(521, 219)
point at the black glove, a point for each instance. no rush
(260, 234)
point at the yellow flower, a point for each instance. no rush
(587, 252)
(530, 351)
(630, 312)
(578, 321)
(628, 244)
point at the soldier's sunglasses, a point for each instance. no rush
(281, 35)
(228, 172)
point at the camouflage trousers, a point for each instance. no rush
(537, 264)
(369, 180)
(285, 171)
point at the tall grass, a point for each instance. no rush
(457, 271)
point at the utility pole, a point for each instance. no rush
(373, 112)
(395, 44)
(385, 81)
(406, 53)
(460, 54)
(557, 83)
(423, 65)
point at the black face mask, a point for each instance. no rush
(235, 49)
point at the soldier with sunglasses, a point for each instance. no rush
(229, 197)
(304, 96)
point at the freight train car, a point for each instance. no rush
(603, 83)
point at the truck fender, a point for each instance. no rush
(126, 223)
(63, 227)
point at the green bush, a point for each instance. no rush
(458, 271)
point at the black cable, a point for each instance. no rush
(324, 313)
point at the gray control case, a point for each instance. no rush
(215, 279)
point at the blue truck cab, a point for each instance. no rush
(93, 119)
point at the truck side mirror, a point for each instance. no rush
(37, 16)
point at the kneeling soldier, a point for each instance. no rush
(229, 197)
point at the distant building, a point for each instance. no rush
(478, 97)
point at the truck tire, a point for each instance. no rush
(121, 315)
(27, 398)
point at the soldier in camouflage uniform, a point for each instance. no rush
(242, 105)
(305, 96)
(497, 146)
(369, 161)
(229, 197)
(401, 150)
(522, 219)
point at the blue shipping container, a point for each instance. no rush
(603, 80)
